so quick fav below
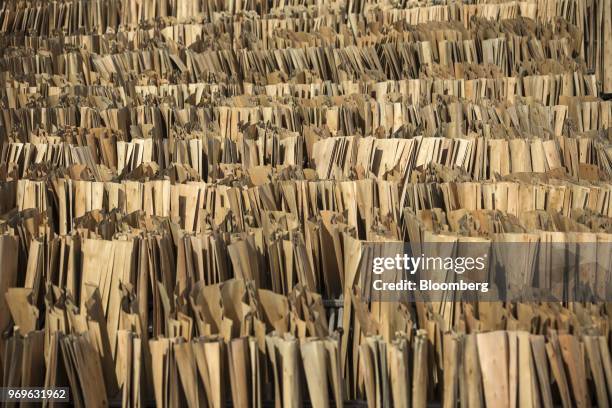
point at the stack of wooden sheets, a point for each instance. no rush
(188, 189)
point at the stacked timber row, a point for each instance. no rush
(192, 194)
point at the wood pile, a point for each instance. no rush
(189, 191)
